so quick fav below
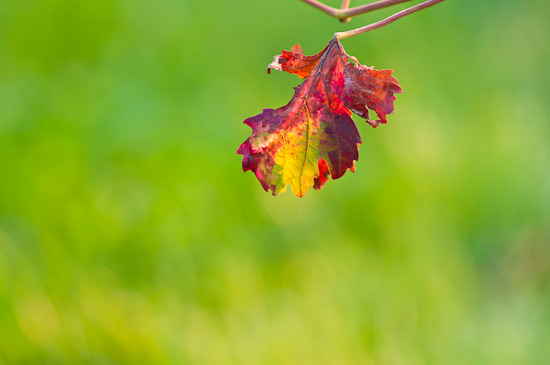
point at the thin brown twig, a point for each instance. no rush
(319, 5)
(358, 10)
(388, 20)
(345, 5)
(345, 13)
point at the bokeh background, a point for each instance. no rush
(130, 235)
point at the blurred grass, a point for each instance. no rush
(129, 234)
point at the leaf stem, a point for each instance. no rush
(388, 20)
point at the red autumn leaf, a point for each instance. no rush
(295, 62)
(313, 137)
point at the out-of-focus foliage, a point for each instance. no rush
(129, 233)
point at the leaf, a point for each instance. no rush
(313, 137)
(295, 62)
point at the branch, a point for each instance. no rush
(358, 10)
(327, 9)
(345, 5)
(388, 20)
(346, 12)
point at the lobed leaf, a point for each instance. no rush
(313, 137)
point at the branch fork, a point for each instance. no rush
(345, 13)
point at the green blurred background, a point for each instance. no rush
(129, 233)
